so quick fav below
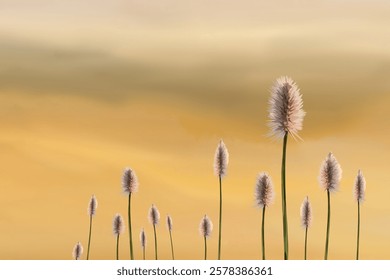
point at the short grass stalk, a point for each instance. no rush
(130, 231)
(155, 241)
(327, 228)
(89, 237)
(205, 248)
(262, 233)
(358, 232)
(306, 243)
(172, 251)
(117, 247)
(220, 218)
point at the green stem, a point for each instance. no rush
(90, 233)
(327, 228)
(262, 233)
(117, 247)
(205, 248)
(306, 243)
(130, 232)
(143, 253)
(220, 217)
(155, 241)
(358, 232)
(170, 237)
(284, 199)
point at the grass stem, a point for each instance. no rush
(90, 233)
(262, 233)
(327, 228)
(284, 198)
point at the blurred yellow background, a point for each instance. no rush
(88, 88)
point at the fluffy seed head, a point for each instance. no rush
(77, 251)
(142, 238)
(118, 225)
(154, 215)
(360, 187)
(169, 223)
(264, 192)
(129, 181)
(285, 108)
(221, 159)
(306, 213)
(330, 174)
(205, 226)
(92, 206)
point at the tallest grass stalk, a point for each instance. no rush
(286, 117)
(130, 186)
(221, 161)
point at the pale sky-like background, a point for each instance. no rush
(88, 88)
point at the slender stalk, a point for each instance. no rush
(130, 232)
(284, 202)
(262, 233)
(327, 228)
(117, 247)
(306, 243)
(89, 238)
(170, 237)
(143, 253)
(155, 241)
(220, 218)
(205, 248)
(358, 232)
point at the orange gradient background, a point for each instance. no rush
(88, 88)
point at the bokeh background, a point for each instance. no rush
(90, 87)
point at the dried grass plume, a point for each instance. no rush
(154, 215)
(118, 225)
(77, 251)
(285, 108)
(306, 213)
(221, 159)
(206, 226)
(330, 174)
(169, 223)
(360, 187)
(264, 192)
(142, 238)
(129, 181)
(92, 206)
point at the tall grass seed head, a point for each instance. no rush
(77, 251)
(129, 181)
(330, 174)
(205, 226)
(285, 108)
(142, 238)
(221, 159)
(306, 213)
(118, 225)
(360, 187)
(154, 215)
(264, 192)
(169, 223)
(92, 206)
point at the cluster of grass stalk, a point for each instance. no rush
(285, 119)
